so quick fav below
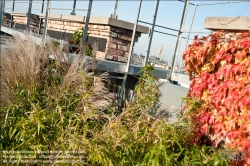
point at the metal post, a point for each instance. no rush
(129, 57)
(195, 7)
(178, 42)
(1, 13)
(74, 6)
(42, 7)
(28, 17)
(85, 33)
(116, 9)
(152, 32)
(13, 8)
(40, 20)
(46, 20)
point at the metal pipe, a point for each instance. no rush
(40, 20)
(85, 33)
(68, 9)
(220, 3)
(196, 32)
(74, 6)
(152, 32)
(1, 13)
(168, 34)
(42, 7)
(184, 1)
(178, 42)
(129, 57)
(46, 20)
(11, 17)
(13, 6)
(190, 28)
(159, 26)
(28, 17)
(116, 9)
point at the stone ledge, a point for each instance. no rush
(117, 23)
(227, 23)
(64, 17)
(93, 20)
(24, 14)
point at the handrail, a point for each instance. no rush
(68, 9)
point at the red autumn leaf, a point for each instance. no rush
(246, 101)
(237, 68)
(233, 45)
(245, 118)
(232, 113)
(222, 111)
(218, 127)
(230, 124)
(205, 117)
(227, 58)
(241, 54)
(245, 128)
(233, 134)
(205, 128)
(245, 44)
(246, 91)
(244, 144)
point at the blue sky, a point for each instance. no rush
(169, 14)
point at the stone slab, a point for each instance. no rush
(227, 23)
(117, 23)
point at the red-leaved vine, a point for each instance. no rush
(220, 73)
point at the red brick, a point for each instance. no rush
(137, 34)
(110, 34)
(95, 32)
(109, 57)
(122, 59)
(115, 57)
(111, 45)
(101, 27)
(114, 52)
(126, 54)
(128, 48)
(126, 37)
(123, 48)
(118, 41)
(120, 30)
(100, 54)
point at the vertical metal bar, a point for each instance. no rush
(13, 8)
(40, 20)
(195, 7)
(85, 33)
(116, 9)
(28, 17)
(178, 42)
(129, 57)
(74, 7)
(46, 20)
(42, 7)
(1, 14)
(152, 32)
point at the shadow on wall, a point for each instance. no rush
(170, 100)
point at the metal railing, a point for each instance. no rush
(48, 8)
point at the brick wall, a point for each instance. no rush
(118, 39)
(34, 23)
